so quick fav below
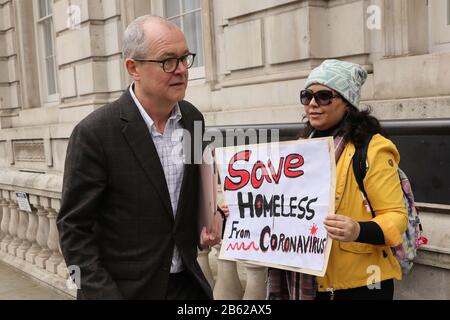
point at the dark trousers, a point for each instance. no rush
(386, 292)
(182, 286)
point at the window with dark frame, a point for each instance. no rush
(187, 14)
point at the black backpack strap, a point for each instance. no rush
(360, 167)
(360, 170)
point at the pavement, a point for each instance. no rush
(15, 285)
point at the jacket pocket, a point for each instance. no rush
(124, 270)
(357, 247)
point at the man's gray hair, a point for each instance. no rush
(135, 44)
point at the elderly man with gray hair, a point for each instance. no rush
(129, 215)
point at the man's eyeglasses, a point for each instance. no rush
(322, 97)
(169, 65)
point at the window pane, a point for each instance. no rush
(448, 12)
(193, 31)
(49, 7)
(51, 80)
(172, 8)
(48, 37)
(190, 5)
(177, 21)
(42, 8)
(47, 52)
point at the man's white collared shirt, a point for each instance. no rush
(169, 146)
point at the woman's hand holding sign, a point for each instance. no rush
(341, 228)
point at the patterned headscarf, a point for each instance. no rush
(345, 78)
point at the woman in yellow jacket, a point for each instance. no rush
(361, 264)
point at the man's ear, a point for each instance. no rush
(131, 67)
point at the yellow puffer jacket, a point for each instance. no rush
(352, 264)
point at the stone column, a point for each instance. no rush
(42, 233)
(405, 27)
(32, 230)
(13, 226)
(22, 234)
(4, 226)
(203, 261)
(53, 239)
(228, 286)
(255, 288)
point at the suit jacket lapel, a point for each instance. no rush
(141, 143)
(188, 144)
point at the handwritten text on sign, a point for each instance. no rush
(278, 199)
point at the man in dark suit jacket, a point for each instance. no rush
(129, 217)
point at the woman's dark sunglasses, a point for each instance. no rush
(322, 97)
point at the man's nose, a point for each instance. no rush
(181, 69)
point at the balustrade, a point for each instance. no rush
(42, 233)
(53, 239)
(33, 238)
(6, 238)
(203, 261)
(228, 286)
(32, 231)
(22, 234)
(13, 226)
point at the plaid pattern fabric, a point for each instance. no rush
(289, 285)
(170, 150)
(169, 146)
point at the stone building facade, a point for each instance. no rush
(61, 59)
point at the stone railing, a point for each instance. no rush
(29, 242)
(232, 280)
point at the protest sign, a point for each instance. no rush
(278, 196)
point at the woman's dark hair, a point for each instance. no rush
(357, 125)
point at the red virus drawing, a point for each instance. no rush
(313, 229)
